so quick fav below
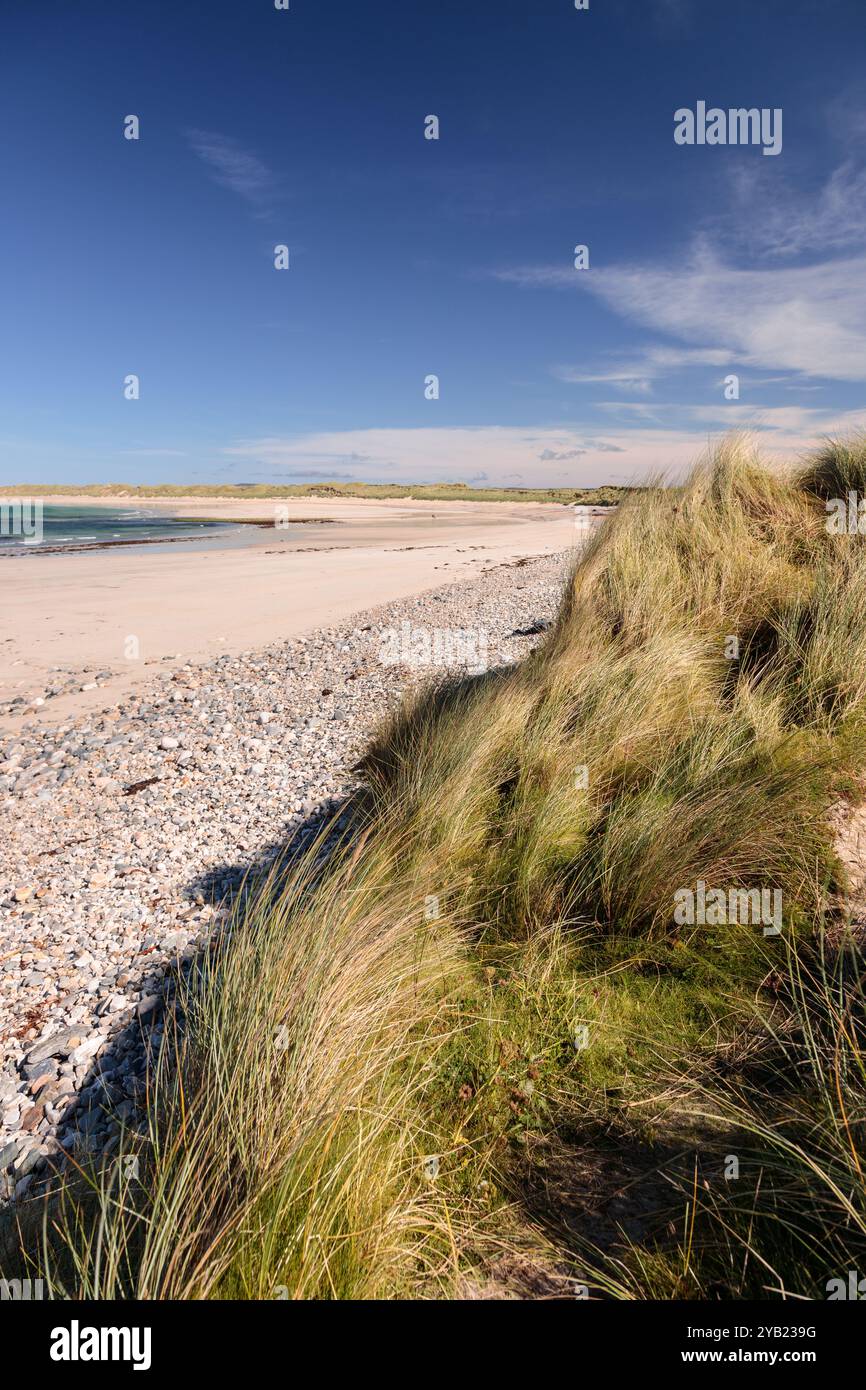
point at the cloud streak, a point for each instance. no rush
(774, 220)
(648, 440)
(638, 373)
(234, 167)
(810, 320)
(767, 311)
(534, 457)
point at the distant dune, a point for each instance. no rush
(422, 492)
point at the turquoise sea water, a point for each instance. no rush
(70, 526)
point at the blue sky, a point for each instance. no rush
(412, 257)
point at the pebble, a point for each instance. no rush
(120, 862)
(57, 1045)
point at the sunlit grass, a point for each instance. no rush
(364, 1097)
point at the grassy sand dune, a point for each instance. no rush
(421, 492)
(476, 1050)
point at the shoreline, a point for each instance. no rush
(82, 547)
(221, 525)
(71, 627)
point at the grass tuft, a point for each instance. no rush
(543, 1078)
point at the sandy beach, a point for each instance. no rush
(140, 790)
(75, 623)
(131, 823)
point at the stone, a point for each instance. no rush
(122, 868)
(40, 1083)
(58, 1045)
(8, 1153)
(39, 1071)
(31, 1118)
(86, 1050)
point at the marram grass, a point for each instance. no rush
(361, 1099)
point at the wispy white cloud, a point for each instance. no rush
(646, 440)
(638, 373)
(809, 319)
(628, 376)
(772, 218)
(535, 456)
(791, 423)
(743, 292)
(236, 168)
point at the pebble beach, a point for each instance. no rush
(129, 826)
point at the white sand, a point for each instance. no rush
(76, 610)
